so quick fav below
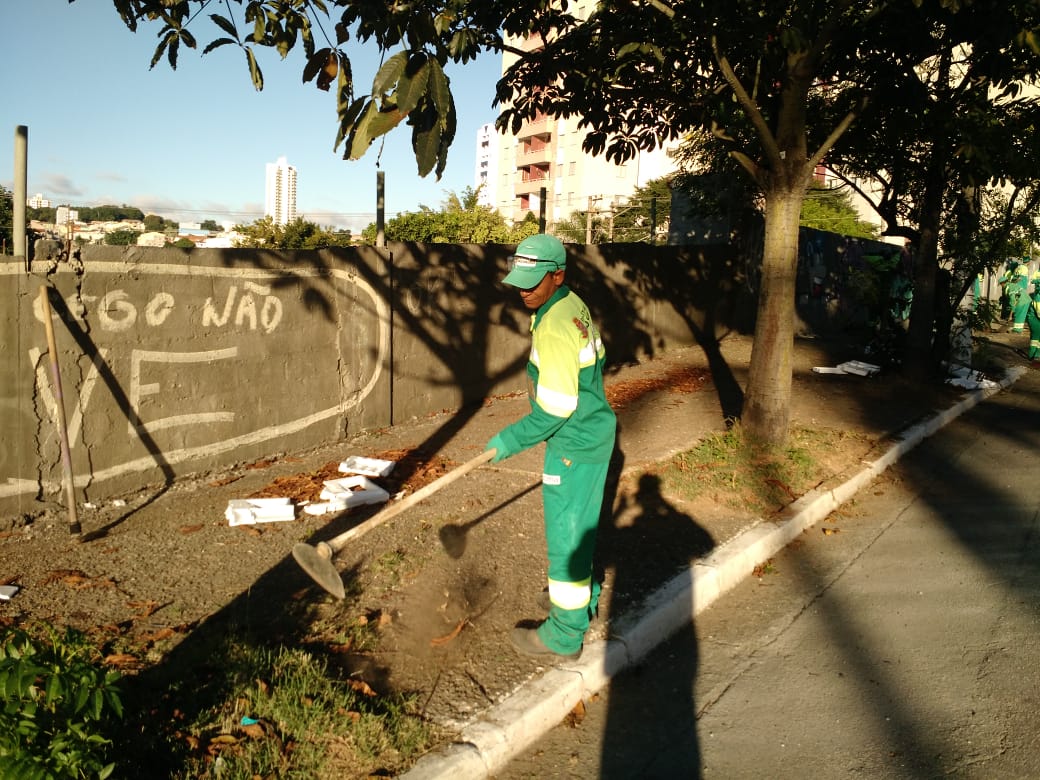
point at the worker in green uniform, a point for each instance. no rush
(570, 413)
(1033, 321)
(1015, 282)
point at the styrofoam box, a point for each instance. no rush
(369, 467)
(247, 511)
(342, 491)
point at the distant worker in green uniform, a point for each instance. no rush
(570, 413)
(1015, 282)
(1033, 320)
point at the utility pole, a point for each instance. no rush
(541, 209)
(21, 166)
(588, 222)
(380, 208)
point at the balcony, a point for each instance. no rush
(540, 153)
(540, 125)
(532, 179)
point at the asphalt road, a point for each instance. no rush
(898, 639)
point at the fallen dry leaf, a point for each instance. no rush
(190, 529)
(778, 484)
(225, 481)
(158, 636)
(252, 730)
(121, 660)
(62, 575)
(361, 687)
(147, 607)
(443, 640)
(262, 464)
(576, 715)
(831, 531)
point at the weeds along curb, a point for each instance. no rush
(510, 727)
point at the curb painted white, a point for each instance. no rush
(510, 727)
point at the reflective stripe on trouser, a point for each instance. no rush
(1020, 311)
(572, 494)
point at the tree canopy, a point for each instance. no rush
(298, 234)
(6, 220)
(460, 220)
(831, 209)
(775, 86)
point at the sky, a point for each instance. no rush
(192, 144)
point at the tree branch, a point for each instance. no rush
(757, 120)
(836, 133)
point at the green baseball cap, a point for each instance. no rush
(534, 257)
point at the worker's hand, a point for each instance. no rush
(502, 450)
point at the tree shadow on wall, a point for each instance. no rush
(448, 304)
(90, 350)
(702, 285)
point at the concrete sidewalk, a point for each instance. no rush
(485, 745)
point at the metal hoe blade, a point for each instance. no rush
(317, 562)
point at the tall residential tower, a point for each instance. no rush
(280, 192)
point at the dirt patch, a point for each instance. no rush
(158, 574)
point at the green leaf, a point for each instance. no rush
(82, 694)
(171, 52)
(225, 24)
(438, 89)
(410, 90)
(348, 118)
(359, 140)
(373, 124)
(628, 48)
(216, 44)
(53, 690)
(161, 49)
(426, 141)
(345, 84)
(315, 64)
(254, 70)
(389, 73)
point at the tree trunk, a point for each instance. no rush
(767, 405)
(918, 362)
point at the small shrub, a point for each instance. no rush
(57, 702)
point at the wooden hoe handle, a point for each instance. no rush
(338, 542)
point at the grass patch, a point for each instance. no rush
(252, 710)
(728, 468)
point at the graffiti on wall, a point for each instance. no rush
(162, 374)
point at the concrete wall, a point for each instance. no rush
(177, 362)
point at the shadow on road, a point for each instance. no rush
(632, 740)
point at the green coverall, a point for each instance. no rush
(1033, 319)
(570, 413)
(1018, 296)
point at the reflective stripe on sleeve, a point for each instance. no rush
(555, 402)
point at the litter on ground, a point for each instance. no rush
(248, 511)
(857, 367)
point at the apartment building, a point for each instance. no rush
(280, 192)
(544, 160)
